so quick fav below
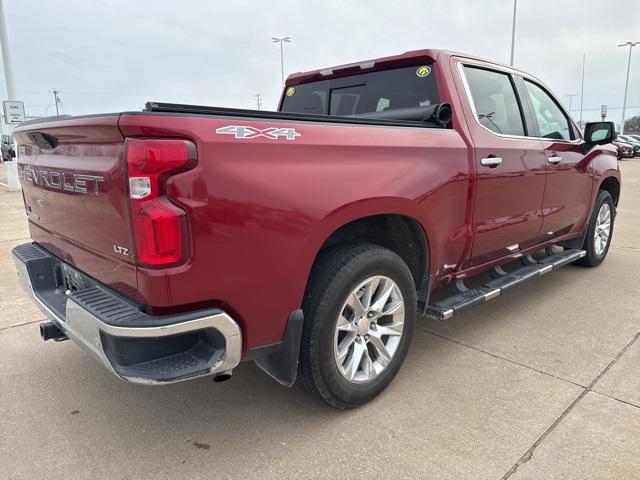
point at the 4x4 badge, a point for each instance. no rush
(272, 133)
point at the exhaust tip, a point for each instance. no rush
(51, 331)
(222, 377)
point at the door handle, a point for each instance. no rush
(491, 161)
(554, 159)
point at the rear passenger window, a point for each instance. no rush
(552, 122)
(495, 101)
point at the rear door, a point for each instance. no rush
(568, 191)
(510, 166)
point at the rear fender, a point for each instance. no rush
(361, 209)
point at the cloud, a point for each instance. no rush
(114, 55)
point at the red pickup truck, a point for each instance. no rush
(177, 241)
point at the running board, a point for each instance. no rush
(502, 281)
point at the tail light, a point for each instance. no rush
(159, 226)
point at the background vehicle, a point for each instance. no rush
(8, 148)
(625, 150)
(631, 141)
(174, 242)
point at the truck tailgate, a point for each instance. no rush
(74, 185)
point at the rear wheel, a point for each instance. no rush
(360, 310)
(600, 231)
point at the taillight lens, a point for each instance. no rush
(159, 226)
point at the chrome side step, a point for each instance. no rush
(502, 281)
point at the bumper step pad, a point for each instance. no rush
(132, 344)
(445, 309)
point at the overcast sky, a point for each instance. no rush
(113, 55)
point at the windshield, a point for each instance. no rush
(402, 88)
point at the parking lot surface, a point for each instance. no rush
(541, 383)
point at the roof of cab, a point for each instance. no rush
(383, 63)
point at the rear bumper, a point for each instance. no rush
(131, 344)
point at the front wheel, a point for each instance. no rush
(600, 231)
(360, 309)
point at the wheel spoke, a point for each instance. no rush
(394, 308)
(369, 290)
(392, 330)
(356, 304)
(344, 347)
(353, 364)
(345, 325)
(383, 297)
(384, 357)
(368, 367)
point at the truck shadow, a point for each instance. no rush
(250, 409)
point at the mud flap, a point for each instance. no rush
(281, 361)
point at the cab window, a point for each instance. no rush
(495, 101)
(551, 121)
(365, 93)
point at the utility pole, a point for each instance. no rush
(571, 95)
(259, 100)
(626, 84)
(56, 99)
(584, 59)
(281, 41)
(513, 30)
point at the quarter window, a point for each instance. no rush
(552, 122)
(495, 101)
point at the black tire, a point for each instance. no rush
(592, 258)
(336, 273)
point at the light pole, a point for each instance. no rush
(281, 41)
(571, 95)
(12, 170)
(513, 30)
(626, 84)
(6, 56)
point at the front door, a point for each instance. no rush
(511, 171)
(566, 199)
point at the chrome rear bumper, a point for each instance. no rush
(134, 346)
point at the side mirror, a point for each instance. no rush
(599, 133)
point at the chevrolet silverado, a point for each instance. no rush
(176, 241)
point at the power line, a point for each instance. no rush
(47, 109)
